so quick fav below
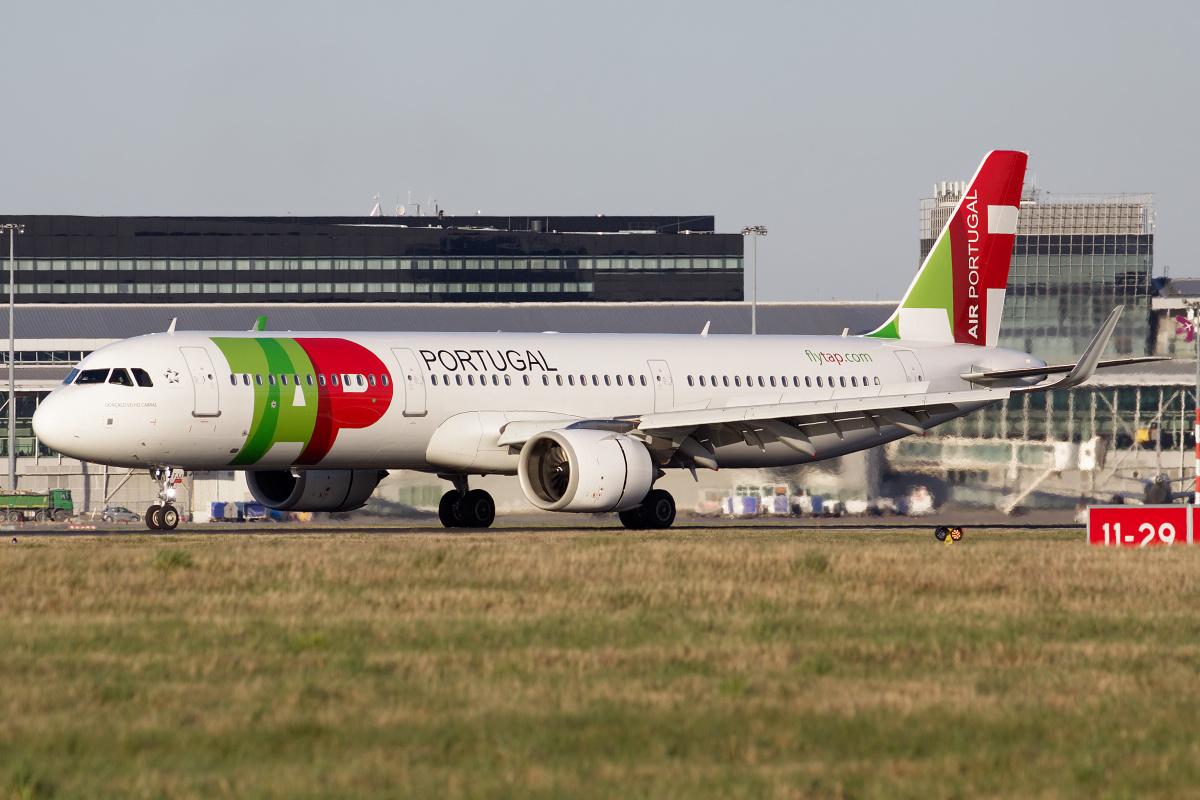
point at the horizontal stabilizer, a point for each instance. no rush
(999, 375)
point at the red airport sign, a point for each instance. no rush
(1141, 526)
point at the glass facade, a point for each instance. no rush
(401, 259)
(1074, 259)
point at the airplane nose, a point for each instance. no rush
(54, 424)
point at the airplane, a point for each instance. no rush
(587, 422)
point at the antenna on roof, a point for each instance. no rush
(260, 324)
(171, 327)
(704, 333)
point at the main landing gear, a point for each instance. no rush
(462, 507)
(953, 532)
(164, 517)
(656, 511)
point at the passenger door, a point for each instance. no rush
(204, 382)
(664, 390)
(912, 367)
(414, 382)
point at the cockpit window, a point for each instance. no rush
(70, 377)
(120, 376)
(142, 377)
(92, 376)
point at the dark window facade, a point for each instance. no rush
(374, 259)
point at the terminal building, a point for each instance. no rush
(406, 259)
(1074, 258)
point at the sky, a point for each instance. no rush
(825, 123)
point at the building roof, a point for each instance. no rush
(106, 322)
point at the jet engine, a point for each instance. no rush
(314, 489)
(577, 469)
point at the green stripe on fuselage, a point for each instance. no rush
(277, 417)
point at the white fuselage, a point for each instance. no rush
(436, 401)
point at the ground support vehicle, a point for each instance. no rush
(20, 506)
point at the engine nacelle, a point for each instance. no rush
(577, 469)
(314, 489)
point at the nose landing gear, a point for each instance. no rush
(164, 517)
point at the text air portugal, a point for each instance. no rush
(981, 237)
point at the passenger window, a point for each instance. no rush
(70, 377)
(630, 380)
(283, 379)
(843, 380)
(360, 380)
(333, 379)
(760, 381)
(143, 378)
(619, 381)
(507, 380)
(737, 381)
(772, 380)
(866, 381)
(295, 379)
(571, 379)
(92, 376)
(808, 381)
(607, 382)
(690, 380)
(433, 379)
(121, 377)
(796, 381)
(321, 379)
(384, 379)
(725, 380)
(458, 379)
(643, 379)
(233, 379)
(271, 379)
(714, 380)
(559, 378)
(853, 381)
(832, 384)
(749, 381)
(820, 382)
(876, 380)
(471, 380)
(258, 379)
(371, 379)
(595, 381)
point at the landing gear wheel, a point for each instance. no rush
(941, 532)
(658, 509)
(152, 517)
(168, 518)
(449, 511)
(632, 519)
(477, 509)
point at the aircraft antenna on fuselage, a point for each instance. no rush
(171, 327)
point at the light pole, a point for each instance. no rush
(13, 229)
(1192, 316)
(754, 231)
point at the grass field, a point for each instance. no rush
(598, 663)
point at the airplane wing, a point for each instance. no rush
(694, 433)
